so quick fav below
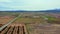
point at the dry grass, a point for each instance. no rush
(43, 29)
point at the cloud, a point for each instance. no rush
(5, 1)
(29, 4)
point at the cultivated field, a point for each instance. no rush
(35, 23)
(5, 19)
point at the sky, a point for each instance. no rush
(29, 5)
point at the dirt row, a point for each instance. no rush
(13, 30)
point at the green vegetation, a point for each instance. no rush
(50, 18)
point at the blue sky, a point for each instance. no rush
(29, 5)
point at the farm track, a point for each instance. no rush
(13, 30)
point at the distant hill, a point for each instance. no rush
(55, 10)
